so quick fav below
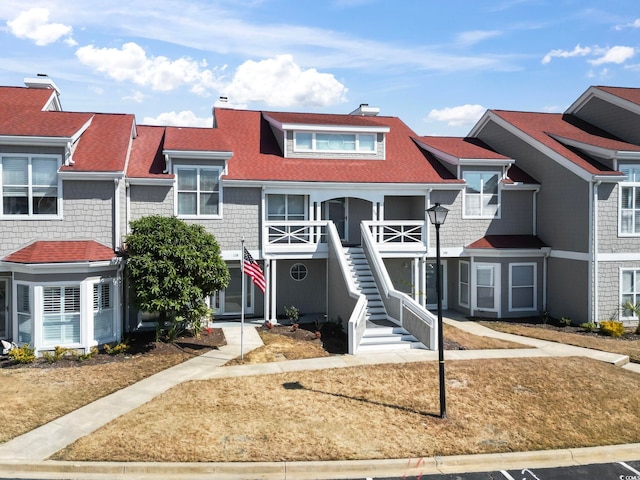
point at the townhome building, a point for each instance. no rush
(542, 215)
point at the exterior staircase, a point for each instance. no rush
(381, 334)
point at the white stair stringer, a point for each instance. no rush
(381, 334)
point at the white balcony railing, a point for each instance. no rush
(311, 236)
(298, 236)
(398, 235)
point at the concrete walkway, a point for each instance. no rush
(29, 452)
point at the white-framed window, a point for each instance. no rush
(198, 191)
(629, 201)
(487, 286)
(629, 290)
(24, 310)
(334, 142)
(104, 328)
(286, 207)
(60, 315)
(30, 186)
(463, 290)
(482, 194)
(522, 286)
(298, 272)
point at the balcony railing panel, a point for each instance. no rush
(299, 236)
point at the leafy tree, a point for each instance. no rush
(173, 266)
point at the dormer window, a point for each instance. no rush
(334, 142)
(482, 195)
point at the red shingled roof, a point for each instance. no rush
(541, 126)
(196, 139)
(62, 251)
(147, 159)
(508, 241)
(257, 154)
(31, 99)
(322, 119)
(104, 146)
(463, 147)
(630, 94)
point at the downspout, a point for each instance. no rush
(127, 207)
(594, 314)
(116, 214)
(535, 212)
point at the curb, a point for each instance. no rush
(325, 470)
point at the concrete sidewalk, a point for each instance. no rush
(33, 448)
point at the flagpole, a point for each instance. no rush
(242, 301)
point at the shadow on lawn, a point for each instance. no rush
(299, 386)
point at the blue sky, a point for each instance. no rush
(436, 64)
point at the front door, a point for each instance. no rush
(432, 297)
(4, 308)
(337, 213)
(229, 300)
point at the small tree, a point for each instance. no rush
(173, 266)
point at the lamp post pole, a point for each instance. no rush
(443, 399)
(437, 215)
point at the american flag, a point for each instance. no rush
(252, 269)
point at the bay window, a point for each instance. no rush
(629, 290)
(104, 329)
(522, 286)
(60, 315)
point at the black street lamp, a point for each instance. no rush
(437, 215)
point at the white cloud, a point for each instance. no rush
(34, 25)
(130, 63)
(185, 118)
(136, 96)
(474, 36)
(280, 82)
(578, 51)
(458, 116)
(634, 24)
(617, 54)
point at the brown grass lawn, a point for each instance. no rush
(34, 395)
(474, 342)
(595, 341)
(387, 411)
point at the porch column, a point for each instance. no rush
(267, 278)
(416, 278)
(423, 281)
(272, 271)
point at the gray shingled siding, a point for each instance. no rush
(379, 155)
(240, 217)
(87, 215)
(516, 218)
(610, 288)
(608, 239)
(568, 287)
(308, 295)
(563, 213)
(147, 200)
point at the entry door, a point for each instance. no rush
(4, 308)
(337, 213)
(432, 297)
(229, 300)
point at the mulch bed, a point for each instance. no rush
(140, 343)
(332, 337)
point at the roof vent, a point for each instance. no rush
(365, 110)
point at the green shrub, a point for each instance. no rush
(23, 354)
(81, 357)
(565, 321)
(121, 347)
(57, 354)
(292, 313)
(589, 326)
(612, 328)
